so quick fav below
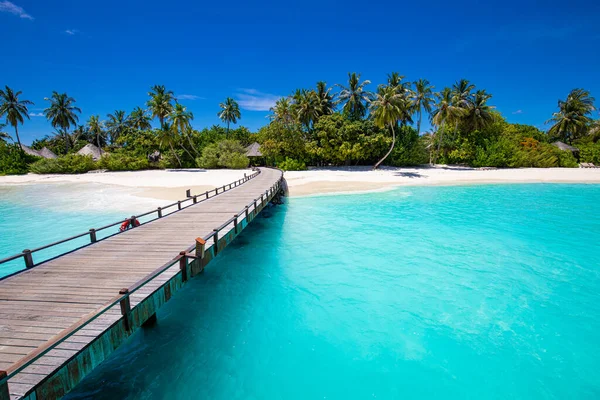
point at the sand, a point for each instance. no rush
(169, 185)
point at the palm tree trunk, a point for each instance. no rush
(98, 141)
(175, 153)
(19, 140)
(192, 145)
(228, 129)
(66, 142)
(389, 151)
(419, 124)
(439, 145)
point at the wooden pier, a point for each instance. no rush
(63, 317)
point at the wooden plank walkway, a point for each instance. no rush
(42, 303)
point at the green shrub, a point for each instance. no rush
(123, 162)
(292, 165)
(567, 160)
(69, 164)
(589, 152)
(225, 154)
(13, 161)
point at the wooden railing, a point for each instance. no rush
(27, 254)
(123, 298)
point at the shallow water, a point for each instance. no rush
(35, 215)
(425, 292)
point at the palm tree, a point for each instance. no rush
(282, 111)
(160, 103)
(479, 115)
(355, 97)
(386, 110)
(14, 110)
(573, 117)
(306, 107)
(117, 125)
(230, 112)
(180, 119)
(3, 135)
(445, 112)
(326, 100)
(61, 113)
(96, 129)
(395, 81)
(461, 97)
(422, 99)
(166, 137)
(139, 119)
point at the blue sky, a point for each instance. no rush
(107, 54)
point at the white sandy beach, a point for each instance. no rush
(171, 184)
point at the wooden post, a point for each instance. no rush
(126, 309)
(28, 258)
(195, 199)
(207, 194)
(216, 237)
(4, 393)
(223, 187)
(159, 212)
(188, 193)
(179, 204)
(255, 206)
(235, 224)
(93, 235)
(247, 212)
(216, 191)
(132, 221)
(183, 266)
(200, 244)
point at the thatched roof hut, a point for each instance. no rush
(566, 147)
(91, 150)
(47, 153)
(253, 150)
(30, 151)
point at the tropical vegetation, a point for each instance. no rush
(343, 124)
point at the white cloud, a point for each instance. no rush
(518, 112)
(36, 115)
(71, 32)
(7, 6)
(254, 100)
(189, 97)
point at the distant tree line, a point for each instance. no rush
(339, 125)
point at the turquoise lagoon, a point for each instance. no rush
(487, 292)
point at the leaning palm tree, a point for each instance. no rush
(282, 111)
(479, 115)
(61, 114)
(422, 99)
(572, 119)
(230, 112)
(3, 135)
(14, 110)
(166, 137)
(446, 112)
(326, 100)
(355, 98)
(96, 130)
(180, 119)
(139, 119)
(160, 103)
(117, 125)
(386, 111)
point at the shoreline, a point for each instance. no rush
(170, 185)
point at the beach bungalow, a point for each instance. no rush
(566, 147)
(47, 153)
(254, 154)
(91, 150)
(30, 151)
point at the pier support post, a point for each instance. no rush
(235, 223)
(195, 199)
(216, 237)
(126, 309)
(200, 246)
(159, 210)
(28, 258)
(93, 235)
(188, 193)
(183, 266)
(179, 204)
(206, 194)
(4, 393)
